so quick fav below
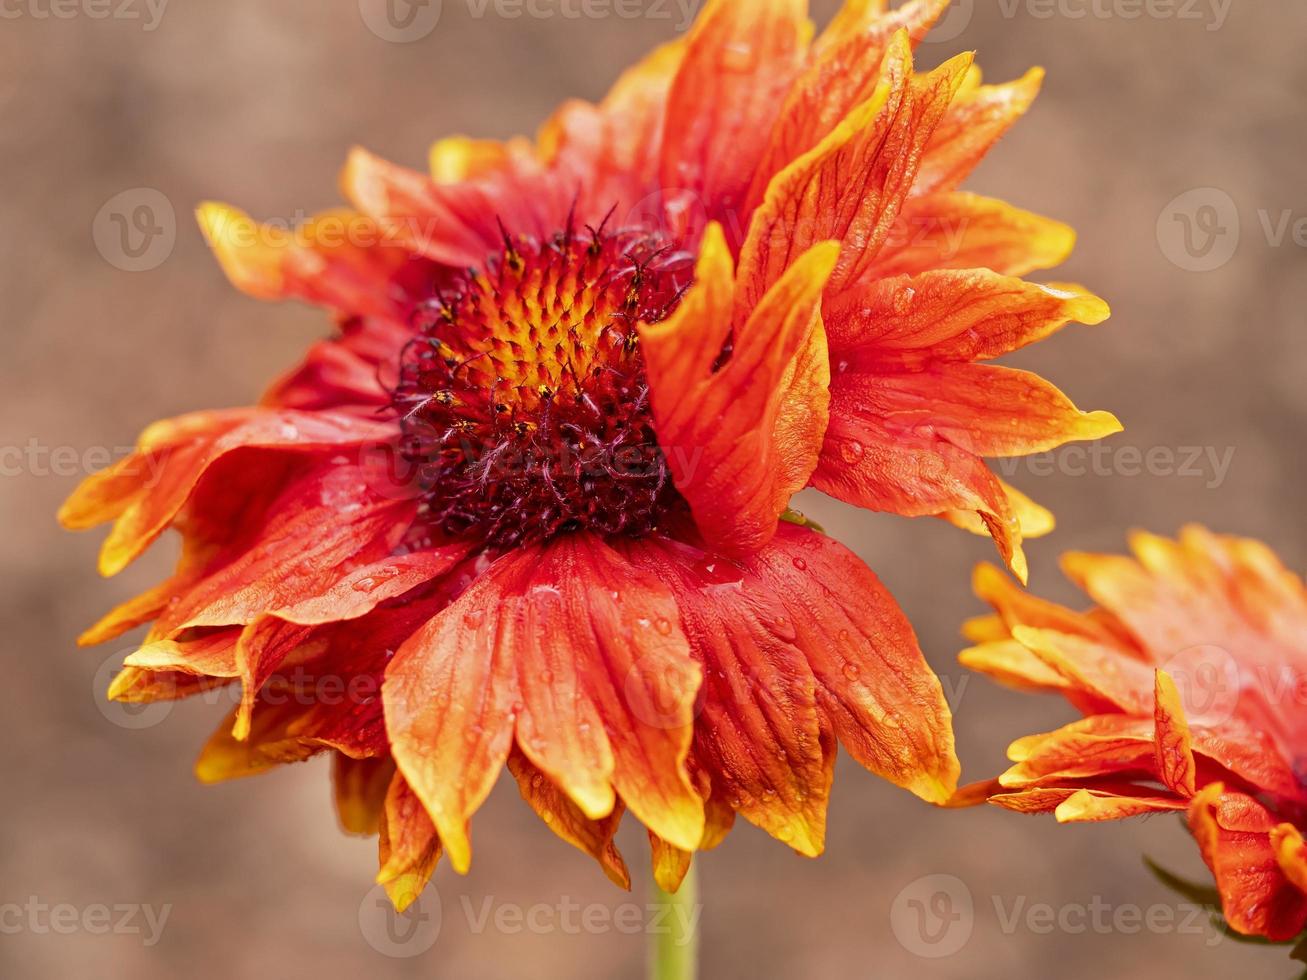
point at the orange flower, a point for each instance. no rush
(1191, 676)
(531, 495)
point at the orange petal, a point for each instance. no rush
(956, 230)
(1291, 852)
(1099, 670)
(950, 315)
(886, 705)
(842, 72)
(506, 646)
(1175, 755)
(986, 410)
(1108, 801)
(1011, 664)
(759, 730)
(144, 496)
(670, 864)
(736, 451)
(976, 120)
(1090, 806)
(875, 149)
(340, 259)
(449, 696)
(299, 561)
(740, 60)
(450, 224)
(870, 461)
(369, 585)
(1098, 746)
(564, 818)
(607, 686)
(1032, 519)
(268, 745)
(360, 787)
(1019, 608)
(409, 848)
(210, 654)
(1234, 833)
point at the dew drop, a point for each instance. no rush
(800, 564)
(851, 451)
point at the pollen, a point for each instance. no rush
(522, 398)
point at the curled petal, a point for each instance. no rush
(408, 848)
(876, 150)
(565, 818)
(1234, 833)
(738, 445)
(340, 259)
(360, 787)
(957, 230)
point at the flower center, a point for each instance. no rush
(523, 401)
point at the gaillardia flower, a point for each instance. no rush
(526, 507)
(1190, 673)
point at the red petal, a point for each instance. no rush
(885, 703)
(576, 610)
(740, 59)
(564, 818)
(740, 440)
(950, 315)
(850, 187)
(842, 72)
(759, 733)
(1234, 834)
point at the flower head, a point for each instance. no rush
(530, 501)
(1190, 674)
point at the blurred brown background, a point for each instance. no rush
(256, 102)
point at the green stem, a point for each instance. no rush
(674, 949)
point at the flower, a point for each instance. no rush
(1190, 677)
(529, 505)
